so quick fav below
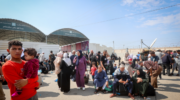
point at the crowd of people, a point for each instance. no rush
(133, 76)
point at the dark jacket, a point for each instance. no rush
(166, 59)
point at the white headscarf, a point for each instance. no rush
(66, 59)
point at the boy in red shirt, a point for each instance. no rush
(93, 69)
(14, 75)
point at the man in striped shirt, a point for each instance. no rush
(154, 69)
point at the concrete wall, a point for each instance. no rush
(97, 47)
(39, 46)
(121, 52)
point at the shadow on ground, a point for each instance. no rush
(47, 94)
(169, 88)
(160, 96)
(75, 91)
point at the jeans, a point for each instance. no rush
(160, 75)
(168, 69)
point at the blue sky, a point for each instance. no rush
(51, 15)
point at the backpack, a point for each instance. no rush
(52, 57)
(150, 91)
(86, 78)
(122, 90)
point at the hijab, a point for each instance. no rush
(57, 62)
(141, 73)
(81, 55)
(66, 59)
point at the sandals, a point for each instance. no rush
(103, 91)
(112, 95)
(96, 91)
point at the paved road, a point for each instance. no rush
(169, 89)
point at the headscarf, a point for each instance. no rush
(57, 62)
(66, 59)
(81, 55)
(141, 72)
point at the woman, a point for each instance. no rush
(57, 62)
(140, 82)
(65, 73)
(80, 69)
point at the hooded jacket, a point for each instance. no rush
(31, 68)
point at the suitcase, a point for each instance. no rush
(122, 90)
(86, 78)
(150, 91)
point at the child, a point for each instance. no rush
(93, 69)
(30, 68)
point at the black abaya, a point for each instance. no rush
(65, 76)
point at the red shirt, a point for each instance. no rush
(93, 69)
(14, 71)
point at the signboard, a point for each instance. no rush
(85, 46)
(16, 26)
(70, 33)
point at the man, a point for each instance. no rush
(98, 57)
(166, 59)
(92, 58)
(13, 74)
(138, 55)
(122, 76)
(159, 54)
(178, 61)
(72, 56)
(52, 58)
(104, 61)
(3, 58)
(100, 79)
(41, 58)
(144, 56)
(2, 95)
(154, 69)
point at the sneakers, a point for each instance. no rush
(83, 88)
(79, 88)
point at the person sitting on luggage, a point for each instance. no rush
(93, 69)
(140, 82)
(46, 64)
(122, 76)
(100, 79)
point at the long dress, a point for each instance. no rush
(80, 71)
(65, 77)
(142, 86)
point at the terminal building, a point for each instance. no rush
(65, 39)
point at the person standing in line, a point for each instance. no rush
(159, 54)
(166, 59)
(104, 61)
(178, 61)
(52, 58)
(92, 58)
(65, 73)
(2, 58)
(80, 62)
(93, 69)
(2, 95)
(174, 64)
(73, 64)
(57, 62)
(98, 57)
(13, 74)
(41, 58)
